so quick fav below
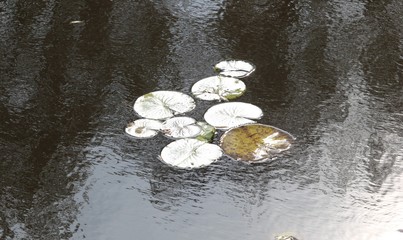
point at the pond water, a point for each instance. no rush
(329, 72)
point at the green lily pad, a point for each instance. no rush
(227, 115)
(255, 142)
(163, 104)
(190, 153)
(218, 88)
(143, 128)
(234, 68)
(207, 133)
(181, 127)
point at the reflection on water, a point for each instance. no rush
(328, 72)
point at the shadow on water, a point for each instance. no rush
(53, 96)
(328, 72)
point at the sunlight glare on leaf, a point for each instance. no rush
(163, 104)
(143, 128)
(226, 115)
(181, 127)
(218, 88)
(234, 68)
(190, 153)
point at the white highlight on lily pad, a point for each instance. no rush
(143, 128)
(218, 88)
(227, 115)
(235, 68)
(181, 127)
(190, 153)
(163, 104)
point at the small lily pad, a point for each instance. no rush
(207, 133)
(143, 128)
(218, 88)
(255, 142)
(190, 153)
(235, 68)
(227, 115)
(163, 104)
(285, 237)
(181, 127)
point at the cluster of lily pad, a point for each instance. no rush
(244, 139)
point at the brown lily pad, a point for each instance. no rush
(255, 142)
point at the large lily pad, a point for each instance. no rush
(190, 153)
(234, 68)
(255, 142)
(143, 128)
(227, 115)
(218, 88)
(181, 127)
(163, 104)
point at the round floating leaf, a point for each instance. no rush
(190, 153)
(226, 115)
(218, 88)
(255, 142)
(181, 127)
(163, 104)
(143, 128)
(234, 68)
(207, 133)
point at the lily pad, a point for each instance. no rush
(255, 142)
(163, 104)
(181, 127)
(143, 128)
(285, 237)
(227, 115)
(190, 153)
(234, 68)
(218, 88)
(207, 133)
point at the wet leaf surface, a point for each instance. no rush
(234, 68)
(226, 115)
(143, 128)
(218, 88)
(190, 153)
(181, 127)
(163, 104)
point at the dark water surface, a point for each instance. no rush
(330, 72)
